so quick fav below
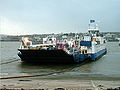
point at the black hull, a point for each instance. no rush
(45, 56)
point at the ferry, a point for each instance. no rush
(90, 47)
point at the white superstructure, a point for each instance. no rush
(93, 44)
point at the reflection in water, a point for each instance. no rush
(83, 68)
(32, 67)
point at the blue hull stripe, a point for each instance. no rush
(98, 54)
(79, 57)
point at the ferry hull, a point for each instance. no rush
(57, 56)
(98, 54)
(43, 56)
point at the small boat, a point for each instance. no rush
(90, 47)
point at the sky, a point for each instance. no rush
(19, 17)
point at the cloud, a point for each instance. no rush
(10, 27)
(54, 16)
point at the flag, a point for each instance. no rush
(91, 21)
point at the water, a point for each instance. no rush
(107, 66)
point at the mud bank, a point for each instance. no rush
(58, 84)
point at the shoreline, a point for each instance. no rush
(44, 83)
(51, 82)
(53, 76)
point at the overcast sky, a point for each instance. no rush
(56, 16)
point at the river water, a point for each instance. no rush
(107, 66)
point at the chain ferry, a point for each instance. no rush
(90, 47)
